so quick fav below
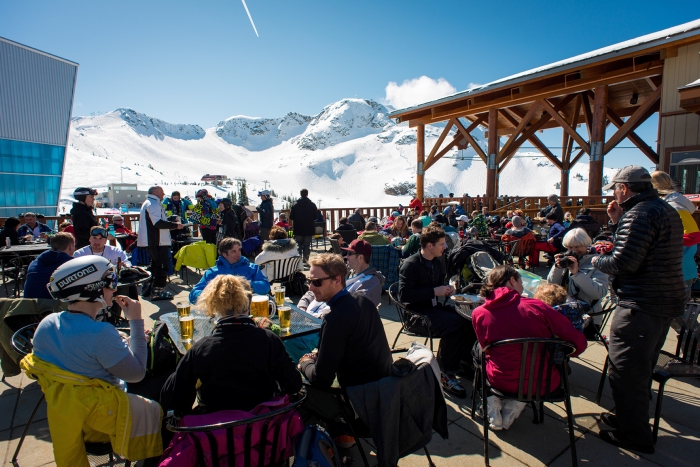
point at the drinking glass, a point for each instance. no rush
(183, 309)
(285, 315)
(279, 295)
(186, 328)
(260, 306)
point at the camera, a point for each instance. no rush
(564, 261)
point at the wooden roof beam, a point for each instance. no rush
(429, 160)
(565, 125)
(639, 116)
(533, 139)
(466, 132)
(518, 126)
(633, 137)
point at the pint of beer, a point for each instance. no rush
(279, 295)
(186, 328)
(260, 306)
(285, 315)
(183, 309)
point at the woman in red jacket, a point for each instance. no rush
(508, 315)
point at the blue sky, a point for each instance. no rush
(201, 62)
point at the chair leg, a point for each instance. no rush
(26, 429)
(657, 412)
(427, 454)
(352, 430)
(535, 412)
(572, 437)
(541, 412)
(485, 409)
(397, 338)
(601, 385)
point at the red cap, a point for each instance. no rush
(360, 247)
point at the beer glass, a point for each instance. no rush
(285, 315)
(279, 295)
(186, 328)
(183, 309)
(262, 306)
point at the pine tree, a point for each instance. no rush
(232, 196)
(243, 194)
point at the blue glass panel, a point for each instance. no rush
(29, 191)
(30, 158)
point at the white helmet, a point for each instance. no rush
(82, 279)
(264, 193)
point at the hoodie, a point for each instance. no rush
(507, 315)
(243, 268)
(39, 272)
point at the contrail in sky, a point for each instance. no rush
(251, 18)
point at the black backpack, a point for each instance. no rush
(162, 353)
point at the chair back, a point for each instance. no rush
(22, 339)
(387, 260)
(263, 438)
(482, 263)
(281, 269)
(687, 348)
(538, 358)
(394, 297)
(320, 228)
(348, 235)
(357, 225)
(336, 247)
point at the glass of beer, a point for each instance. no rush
(260, 306)
(186, 328)
(183, 309)
(279, 295)
(285, 315)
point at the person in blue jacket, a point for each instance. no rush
(41, 269)
(231, 262)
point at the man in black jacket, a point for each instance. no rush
(303, 215)
(646, 264)
(555, 207)
(421, 283)
(352, 342)
(83, 216)
(229, 220)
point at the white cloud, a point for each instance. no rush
(416, 91)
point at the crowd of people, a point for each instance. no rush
(645, 263)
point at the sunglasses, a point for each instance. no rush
(318, 282)
(99, 233)
(110, 280)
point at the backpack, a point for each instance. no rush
(162, 355)
(315, 448)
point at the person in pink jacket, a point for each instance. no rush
(508, 315)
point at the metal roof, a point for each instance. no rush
(3, 39)
(669, 35)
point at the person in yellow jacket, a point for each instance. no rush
(83, 364)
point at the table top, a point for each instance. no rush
(302, 324)
(26, 248)
(140, 281)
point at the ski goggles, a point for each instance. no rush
(99, 232)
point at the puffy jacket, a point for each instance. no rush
(200, 255)
(83, 220)
(75, 402)
(26, 230)
(179, 208)
(373, 238)
(646, 261)
(243, 268)
(267, 214)
(303, 213)
(205, 213)
(39, 272)
(276, 250)
(588, 284)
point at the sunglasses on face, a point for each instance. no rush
(110, 280)
(318, 282)
(99, 233)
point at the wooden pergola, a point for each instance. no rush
(620, 85)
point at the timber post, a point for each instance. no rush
(420, 159)
(492, 155)
(595, 173)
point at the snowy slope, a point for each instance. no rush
(344, 155)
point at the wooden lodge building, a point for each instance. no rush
(606, 94)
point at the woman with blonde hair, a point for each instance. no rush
(399, 228)
(236, 368)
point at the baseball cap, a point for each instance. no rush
(629, 174)
(360, 247)
(463, 218)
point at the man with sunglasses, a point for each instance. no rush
(352, 342)
(98, 246)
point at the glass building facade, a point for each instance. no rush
(30, 177)
(36, 100)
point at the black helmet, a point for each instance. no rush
(81, 193)
(227, 202)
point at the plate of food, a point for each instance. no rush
(467, 299)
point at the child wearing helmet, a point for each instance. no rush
(78, 340)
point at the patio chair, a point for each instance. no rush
(404, 315)
(358, 225)
(523, 249)
(348, 235)
(542, 360)
(320, 232)
(359, 428)
(336, 247)
(22, 343)
(246, 430)
(284, 271)
(9, 272)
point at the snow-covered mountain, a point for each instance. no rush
(345, 156)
